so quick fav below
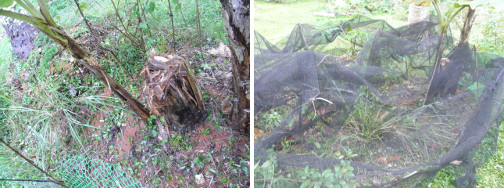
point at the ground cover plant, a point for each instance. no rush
(76, 126)
(340, 101)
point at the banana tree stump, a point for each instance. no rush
(172, 92)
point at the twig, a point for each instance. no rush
(182, 14)
(83, 17)
(199, 30)
(113, 52)
(173, 25)
(126, 33)
(139, 17)
(145, 18)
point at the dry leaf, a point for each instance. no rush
(455, 162)
(381, 160)
(221, 51)
(393, 159)
(226, 106)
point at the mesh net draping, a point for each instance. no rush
(356, 91)
(80, 171)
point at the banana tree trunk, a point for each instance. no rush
(42, 20)
(466, 30)
(93, 66)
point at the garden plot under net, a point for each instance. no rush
(350, 105)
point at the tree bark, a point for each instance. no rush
(466, 30)
(445, 80)
(236, 18)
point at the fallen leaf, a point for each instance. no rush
(455, 162)
(226, 106)
(381, 160)
(221, 51)
(393, 159)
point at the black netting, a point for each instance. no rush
(359, 87)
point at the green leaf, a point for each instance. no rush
(305, 184)
(343, 170)
(83, 5)
(472, 4)
(348, 29)
(326, 173)
(341, 182)
(498, 6)
(476, 86)
(6, 3)
(336, 168)
(143, 25)
(329, 181)
(266, 164)
(350, 168)
(178, 6)
(344, 185)
(338, 174)
(150, 7)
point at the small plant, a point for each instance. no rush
(266, 171)
(270, 120)
(182, 142)
(330, 177)
(370, 122)
(206, 131)
(199, 161)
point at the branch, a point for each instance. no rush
(83, 17)
(32, 163)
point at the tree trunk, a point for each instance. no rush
(446, 77)
(236, 18)
(466, 30)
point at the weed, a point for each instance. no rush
(206, 131)
(182, 142)
(370, 122)
(270, 120)
(199, 161)
(329, 177)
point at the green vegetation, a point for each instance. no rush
(267, 175)
(368, 121)
(52, 107)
